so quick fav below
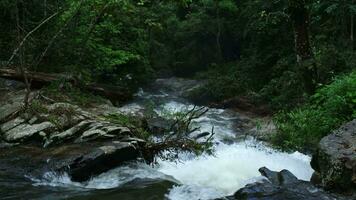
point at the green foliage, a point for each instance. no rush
(221, 82)
(331, 106)
(135, 124)
(108, 43)
(56, 115)
(37, 107)
(122, 120)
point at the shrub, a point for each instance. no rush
(331, 106)
(221, 82)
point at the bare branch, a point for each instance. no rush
(27, 35)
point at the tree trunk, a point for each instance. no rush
(300, 18)
(21, 66)
(218, 34)
(352, 28)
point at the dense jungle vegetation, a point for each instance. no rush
(297, 56)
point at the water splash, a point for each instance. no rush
(232, 167)
(111, 179)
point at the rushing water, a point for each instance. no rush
(234, 163)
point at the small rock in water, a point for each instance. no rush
(282, 185)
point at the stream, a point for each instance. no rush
(234, 164)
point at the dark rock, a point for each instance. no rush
(102, 130)
(101, 159)
(159, 125)
(281, 186)
(335, 160)
(11, 85)
(270, 175)
(8, 110)
(201, 135)
(6, 145)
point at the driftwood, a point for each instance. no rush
(39, 80)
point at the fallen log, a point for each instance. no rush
(40, 79)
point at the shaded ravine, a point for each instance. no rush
(234, 163)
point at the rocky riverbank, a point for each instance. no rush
(64, 136)
(334, 177)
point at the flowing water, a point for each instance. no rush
(234, 163)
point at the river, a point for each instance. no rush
(235, 162)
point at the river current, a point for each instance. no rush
(234, 164)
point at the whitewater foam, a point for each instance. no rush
(232, 167)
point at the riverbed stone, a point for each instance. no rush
(26, 131)
(335, 160)
(100, 160)
(281, 186)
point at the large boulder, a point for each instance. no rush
(335, 160)
(100, 159)
(281, 186)
(79, 161)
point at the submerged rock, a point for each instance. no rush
(281, 186)
(335, 160)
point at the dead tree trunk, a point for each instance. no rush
(38, 80)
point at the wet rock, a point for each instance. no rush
(100, 159)
(139, 141)
(201, 135)
(159, 125)
(6, 145)
(25, 131)
(11, 84)
(33, 120)
(90, 135)
(11, 124)
(70, 133)
(102, 130)
(280, 186)
(179, 86)
(335, 160)
(8, 110)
